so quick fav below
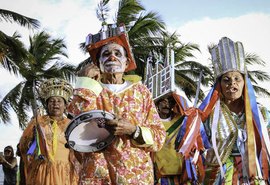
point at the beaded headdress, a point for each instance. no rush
(109, 33)
(228, 56)
(56, 87)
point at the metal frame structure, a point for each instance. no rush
(160, 79)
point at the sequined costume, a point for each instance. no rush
(231, 138)
(240, 147)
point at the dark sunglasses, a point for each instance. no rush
(7, 151)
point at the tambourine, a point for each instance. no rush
(86, 132)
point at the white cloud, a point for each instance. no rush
(251, 29)
(10, 133)
(71, 20)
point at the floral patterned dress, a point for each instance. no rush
(124, 161)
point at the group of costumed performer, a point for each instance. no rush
(225, 140)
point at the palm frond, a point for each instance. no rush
(43, 61)
(252, 58)
(259, 75)
(188, 85)
(149, 24)
(260, 91)
(10, 100)
(102, 11)
(12, 52)
(128, 11)
(10, 16)
(83, 63)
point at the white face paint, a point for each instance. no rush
(112, 59)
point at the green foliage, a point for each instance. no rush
(42, 60)
(148, 36)
(10, 16)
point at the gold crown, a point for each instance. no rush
(228, 56)
(56, 87)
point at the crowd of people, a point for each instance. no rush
(163, 141)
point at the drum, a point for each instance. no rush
(86, 132)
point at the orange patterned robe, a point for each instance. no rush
(124, 161)
(57, 166)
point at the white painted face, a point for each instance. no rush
(113, 59)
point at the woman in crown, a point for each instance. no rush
(42, 145)
(234, 124)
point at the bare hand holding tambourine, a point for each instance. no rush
(94, 130)
(120, 126)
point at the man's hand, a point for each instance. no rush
(120, 126)
(91, 71)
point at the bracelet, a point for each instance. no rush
(137, 132)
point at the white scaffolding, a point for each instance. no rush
(160, 78)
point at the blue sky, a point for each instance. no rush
(201, 22)
(178, 12)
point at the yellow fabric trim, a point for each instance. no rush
(88, 83)
(132, 78)
(55, 138)
(147, 138)
(251, 137)
(229, 172)
(18, 177)
(38, 142)
(128, 87)
(168, 161)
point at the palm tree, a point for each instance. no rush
(147, 35)
(10, 16)
(10, 47)
(187, 71)
(254, 75)
(143, 28)
(257, 75)
(43, 61)
(11, 52)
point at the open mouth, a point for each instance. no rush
(232, 90)
(56, 108)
